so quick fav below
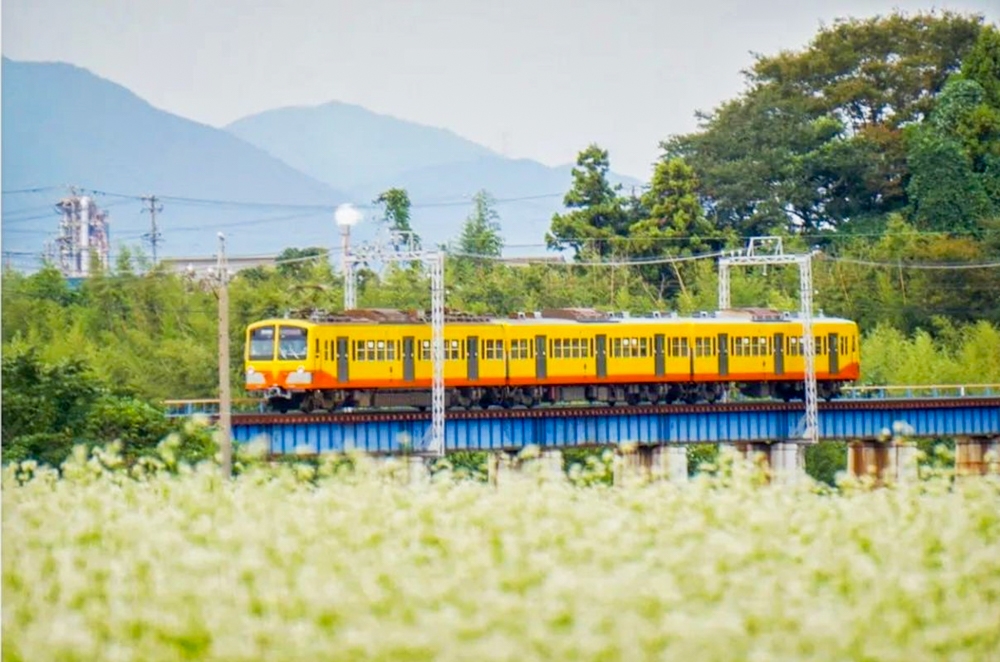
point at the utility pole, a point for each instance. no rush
(225, 403)
(154, 236)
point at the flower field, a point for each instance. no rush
(306, 563)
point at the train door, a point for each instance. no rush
(472, 357)
(723, 354)
(342, 359)
(832, 349)
(661, 364)
(408, 359)
(779, 353)
(540, 364)
(602, 355)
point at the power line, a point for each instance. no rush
(39, 189)
(941, 266)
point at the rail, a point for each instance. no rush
(919, 391)
(210, 406)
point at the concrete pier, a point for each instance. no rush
(786, 460)
(977, 456)
(640, 464)
(886, 462)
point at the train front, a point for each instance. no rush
(278, 363)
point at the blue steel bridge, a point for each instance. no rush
(561, 427)
(869, 416)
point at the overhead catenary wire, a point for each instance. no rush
(940, 266)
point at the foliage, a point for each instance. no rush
(295, 262)
(956, 355)
(49, 407)
(817, 140)
(395, 203)
(481, 232)
(596, 215)
(298, 562)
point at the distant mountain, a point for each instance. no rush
(64, 125)
(354, 149)
(351, 145)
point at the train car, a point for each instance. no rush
(382, 358)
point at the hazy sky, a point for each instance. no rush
(531, 78)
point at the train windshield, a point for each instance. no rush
(262, 343)
(292, 344)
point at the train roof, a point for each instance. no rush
(552, 317)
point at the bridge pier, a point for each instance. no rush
(785, 459)
(893, 461)
(647, 463)
(976, 456)
(416, 469)
(548, 464)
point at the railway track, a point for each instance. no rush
(596, 411)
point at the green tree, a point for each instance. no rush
(296, 263)
(944, 191)
(817, 140)
(597, 215)
(481, 232)
(395, 203)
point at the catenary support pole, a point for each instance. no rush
(225, 401)
(437, 352)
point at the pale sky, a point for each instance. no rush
(529, 78)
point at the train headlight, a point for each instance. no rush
(300, 376)
(254, 377)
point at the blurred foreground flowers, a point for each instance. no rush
(345, 559)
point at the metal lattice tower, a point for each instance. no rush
(763, 251)
(401, 247)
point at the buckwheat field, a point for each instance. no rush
(325, 562)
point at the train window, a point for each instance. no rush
(262, 344)
(452, 350)
(390, 350)
(425, 350)
(292, 343)
(493, 349)
(359, 350)
(643, 347)
(854, 344)
(616, 347)
(380, 351)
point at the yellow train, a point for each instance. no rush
(382, 358)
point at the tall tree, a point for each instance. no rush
(675, 219)
(597, 214)
(817, 139)
(481, 232)
(395, 203)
